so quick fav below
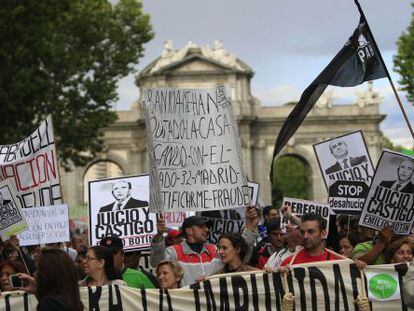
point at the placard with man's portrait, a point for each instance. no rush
(347, 171)
(119, 207)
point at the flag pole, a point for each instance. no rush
(386, 70)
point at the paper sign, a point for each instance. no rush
(47, 224)
(301, 207)
(391, 197)
(195, 153)
(12, 220)
(119, 207)
(347, 171)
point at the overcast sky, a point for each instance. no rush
(287, 43)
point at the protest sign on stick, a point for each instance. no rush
(300, 207)
(390, 199)
(347, 171)
(119, 207)
(174, 219)
(31, 166)
(47, 224)
(228, 221)
(12, 220)
(195, 152)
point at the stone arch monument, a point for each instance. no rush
(203, 67)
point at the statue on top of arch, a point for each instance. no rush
(369, 96)
(218, 53)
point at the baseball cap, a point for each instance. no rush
(193, 221)
(172, 233)
(112, 242)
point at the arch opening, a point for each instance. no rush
(291, 178)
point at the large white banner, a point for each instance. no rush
(47, 224)
(119, 207)
(330, 285)
(32, 169)
(347, 171)
(195, 152)
(391, 197)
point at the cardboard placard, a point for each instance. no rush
(390, 199)
(347, 170)
(12, 220)
(119, 207)
(195, 153)
(47, 224)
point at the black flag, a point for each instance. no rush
(358, 61)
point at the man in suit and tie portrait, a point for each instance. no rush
(339, 150)
(404, 183)
(121, 190)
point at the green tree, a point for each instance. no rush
(388, 144)
(290, 179)
(404, 60)
(65, 57)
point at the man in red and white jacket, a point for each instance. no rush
(197, 257)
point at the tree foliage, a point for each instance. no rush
(290, 179)
(388, 144)
(404, 60)
(65, 57)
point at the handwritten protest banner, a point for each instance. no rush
(119, 207)
(32, 168)
(47, 224)
(228, 221)
(391, 197)
(347, 171)
(300, 207)
(174, 219)
(195, 153)
(329, 285)
(12, 220)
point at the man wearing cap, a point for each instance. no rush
(133, 278)
(195, 255)
(174, 237)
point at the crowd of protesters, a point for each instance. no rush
(184, 256)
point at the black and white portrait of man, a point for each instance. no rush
(119, 206)
(121, 191)
(404, 182)
(339, 150)
(344, 158)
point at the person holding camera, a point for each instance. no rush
(9, 281)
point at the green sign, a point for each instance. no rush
(383, 286)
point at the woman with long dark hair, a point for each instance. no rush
(55, 285)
